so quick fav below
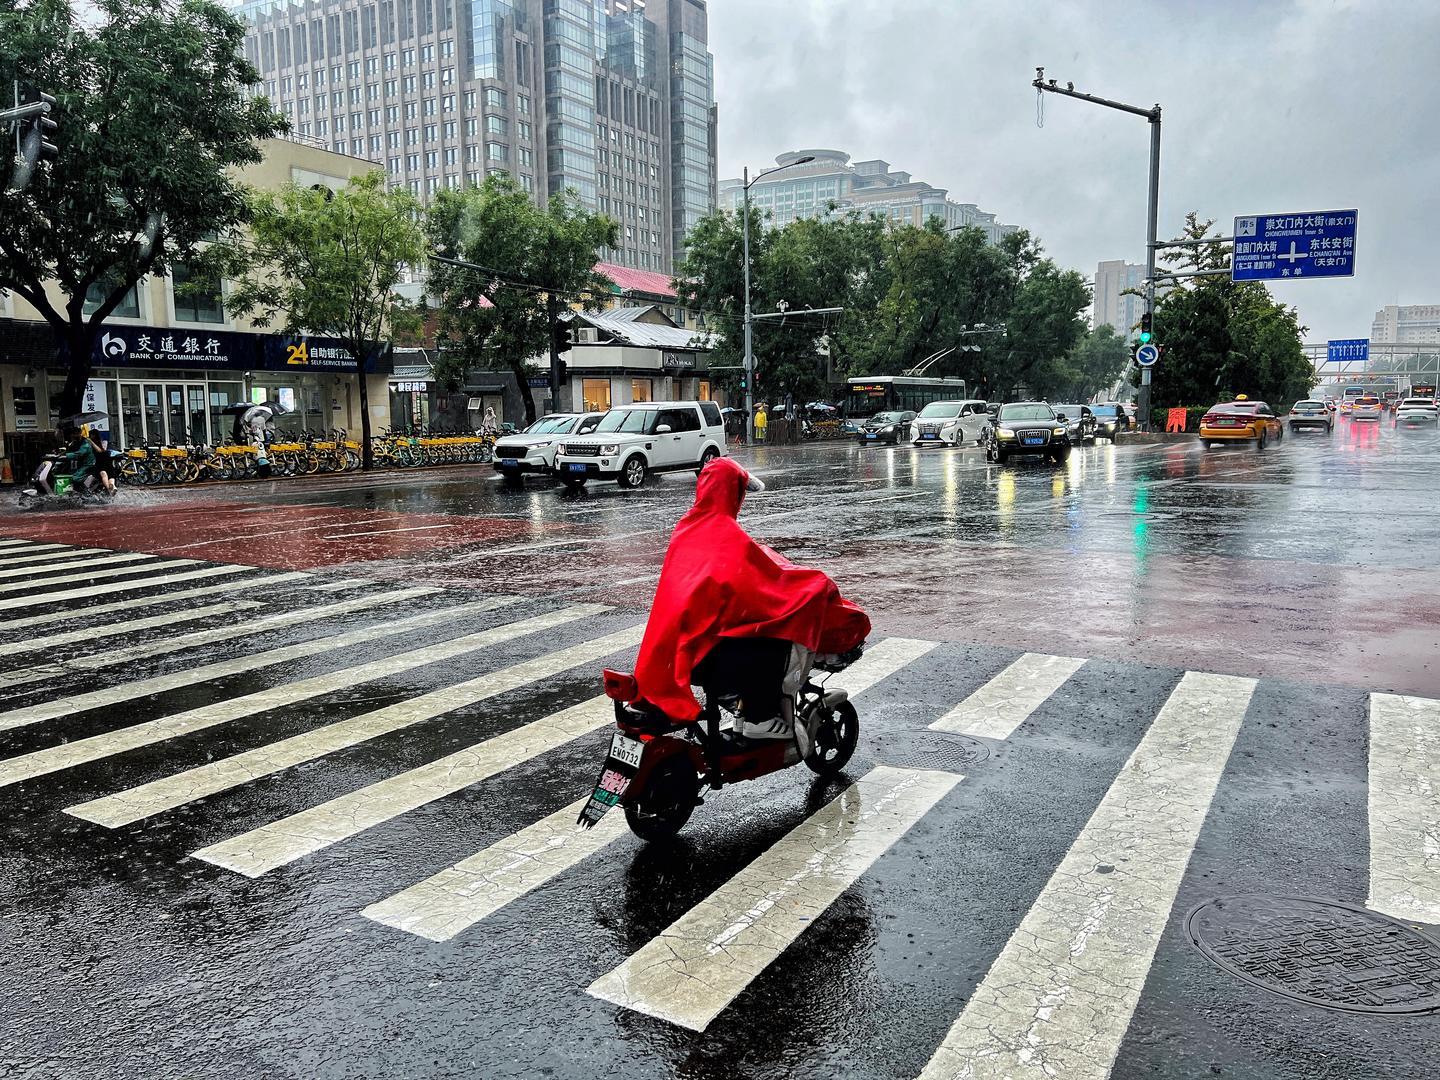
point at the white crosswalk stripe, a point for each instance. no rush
(8, 541)
(104, 631)
(12, 602)
(1058, 999)
(68, 754)
(58, 558)
(467, 892)
(129, 806)
(32, 574)
(702, 961)
(181, 642)
(94, 575)
(157, 598)
(1404, 804)
(25, 547)
(1003, 704)
(235, 665)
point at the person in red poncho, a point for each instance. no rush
(735, 616)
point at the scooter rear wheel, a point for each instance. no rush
(665, 805)
(835, 740)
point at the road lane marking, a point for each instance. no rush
(442, 906)
(382, 532)
(60, 567)
(1005, 702)
(1405, 807)
(71, 614)
(281, 842)
(235, 665)
(1058, 999)
(125, 807)
(51, 557)
(697, 966)
(95, 575)
(25, 547)
(463, 894)
(340, 586)
(12, 541)
(93, 633)
(107, 744)
(199, 638)
(12, 602)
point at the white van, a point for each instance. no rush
(632, 441)
(951, 423)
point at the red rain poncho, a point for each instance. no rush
(718, 583)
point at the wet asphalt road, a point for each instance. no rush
(1303, 574)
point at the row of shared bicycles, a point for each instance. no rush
(306, 454)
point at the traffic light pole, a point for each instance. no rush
(1152, 114)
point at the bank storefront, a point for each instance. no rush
(166, 386)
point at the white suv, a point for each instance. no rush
(952, 422)
(632, 441)
(533, 450)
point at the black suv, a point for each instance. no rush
(1027, 427)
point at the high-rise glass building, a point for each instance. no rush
(614, 99)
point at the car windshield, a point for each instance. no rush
(1368, 401)
(1418, 402)
(885, 418)
(1072, 411)
(628, 421)
(940, 410)
(1309, 405)
(1103, 410)
(551, 425)
(1026, 412)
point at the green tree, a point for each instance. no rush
(153, 117)
(1099, 359)
(327, 263)
(1224, 338)
(536, 263)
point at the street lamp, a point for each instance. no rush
(749, 352)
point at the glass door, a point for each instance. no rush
(132, 425)
(153, 398)
(221, 395)
(195, 398)
(175, 409)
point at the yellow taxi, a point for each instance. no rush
(1241, 420)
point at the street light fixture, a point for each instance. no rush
(747, 183)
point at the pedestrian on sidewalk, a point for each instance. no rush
(762, 421)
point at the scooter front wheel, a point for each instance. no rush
(835, 740)
(664, 806)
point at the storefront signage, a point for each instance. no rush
(23, 398)
(94, 400)
(678, 362)
(409, 387)
(224, 350)
(282, 353)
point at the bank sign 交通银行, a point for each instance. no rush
(226, 350)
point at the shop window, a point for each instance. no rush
(128, 308)
(704, 393)
(642, 390)
(597, 395)
(200, 302)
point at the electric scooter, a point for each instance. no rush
(656, 768)
(50, 488)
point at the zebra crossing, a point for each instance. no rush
(191, 705)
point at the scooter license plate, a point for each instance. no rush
(614, 779)
(626, 750)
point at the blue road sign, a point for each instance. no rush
(1146, 355)
(1347, 349)
(1272, 247)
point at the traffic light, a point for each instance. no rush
(1147, 328)
(34, 129)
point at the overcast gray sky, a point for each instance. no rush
(1269, 105)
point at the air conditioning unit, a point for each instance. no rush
(587, 335)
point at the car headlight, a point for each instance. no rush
(1058, 431)
(1004, 434)
(610, 448)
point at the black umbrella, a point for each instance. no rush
(238, 408)
(84, 418)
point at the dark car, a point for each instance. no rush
(1079, 422)
(1110, 420)
(1027, 427)
(886, 427)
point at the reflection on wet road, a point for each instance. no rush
(295, 794)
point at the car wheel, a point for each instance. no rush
(511, 480)
(1001, 456)
(632, 473)
(708, 456)
(1061, 455)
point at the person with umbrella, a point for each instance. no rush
(257, 421)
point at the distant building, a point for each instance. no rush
(1414, 324)
(613, 99)
(870, 187)
(1113, 307)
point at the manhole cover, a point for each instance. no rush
(931, 750)
(1321, 952)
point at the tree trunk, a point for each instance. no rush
(73, 353)
(527, 392)
(367, 454)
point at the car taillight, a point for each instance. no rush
(1208, 418)
(620, 686)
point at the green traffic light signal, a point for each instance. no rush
(1145, 337)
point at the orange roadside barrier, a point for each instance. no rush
(1175, 420)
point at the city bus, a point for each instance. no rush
(864, 397)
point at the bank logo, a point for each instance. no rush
(113, 348)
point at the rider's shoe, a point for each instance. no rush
(778, 728)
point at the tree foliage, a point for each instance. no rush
(153, 117)
(1224, 338)
(907, 292)
(1096, 362)
(537, 263)
(327, 263)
